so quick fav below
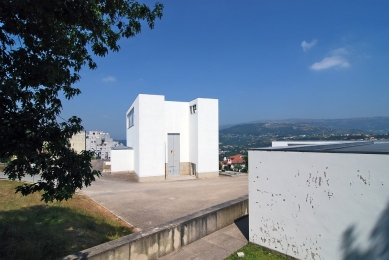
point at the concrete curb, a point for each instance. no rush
(155, 242)
(233, 174)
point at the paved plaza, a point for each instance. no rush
(146, 205)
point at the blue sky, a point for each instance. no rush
(261, 59)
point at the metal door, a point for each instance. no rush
(173, 154)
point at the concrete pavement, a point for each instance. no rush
(145, 205)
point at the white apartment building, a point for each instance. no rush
(169, 139)
(101, 143)
(77, 142)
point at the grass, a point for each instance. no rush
(253, 252)
(32, 229)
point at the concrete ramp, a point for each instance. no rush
(154, 243)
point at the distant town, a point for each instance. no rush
(237, 139)
(232, 144)
(97, 141)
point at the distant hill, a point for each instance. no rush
(281, 129)
(376, 125)
(366, 124)
(226, 126)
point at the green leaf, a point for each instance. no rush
(43, 47)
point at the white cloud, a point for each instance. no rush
(329, 62)
(109, 79)
(305, 45)
(335, 59)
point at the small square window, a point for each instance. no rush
(130, 118)
(193, 109)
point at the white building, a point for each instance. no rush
(321, 201)
(101, 143)
(171, 138)
(77, 142)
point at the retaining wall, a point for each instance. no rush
(166, 238)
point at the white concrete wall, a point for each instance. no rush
(151, 135)
(122, 160)
(146, 135)
(207, 135)
(193, 136)
(177, 121)
(320, 205)
(132, 134)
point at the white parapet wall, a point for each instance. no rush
(122, 160)
(299, 143)
(320, 205)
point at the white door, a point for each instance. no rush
(173, 154)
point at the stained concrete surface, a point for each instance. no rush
(145, 205)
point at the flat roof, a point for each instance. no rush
(361, 147)
(121, 147)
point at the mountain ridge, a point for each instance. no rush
(373, 125)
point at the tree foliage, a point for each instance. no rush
(237, 167)
(246, 162)
(43, 47)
